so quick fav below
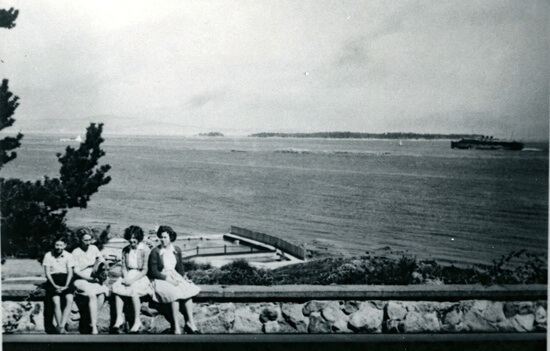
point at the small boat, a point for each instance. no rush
(78, 139)
(487, 143)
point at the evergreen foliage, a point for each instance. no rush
(33, 213)
(8, 17)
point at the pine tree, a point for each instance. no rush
(33, 213)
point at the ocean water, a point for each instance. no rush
(336, 196)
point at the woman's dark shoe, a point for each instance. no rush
(188, 330)
(116, 329)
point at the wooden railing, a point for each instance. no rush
(283, 245)
(222, 250)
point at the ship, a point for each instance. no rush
(487, 143)
(77, 139)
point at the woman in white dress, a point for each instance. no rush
(134, 282)
(85, 257)
(169, 280)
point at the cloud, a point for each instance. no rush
(354, 53)
(200, 100)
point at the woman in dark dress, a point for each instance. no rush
(169, 281)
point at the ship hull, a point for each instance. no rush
(486, 145)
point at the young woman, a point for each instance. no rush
(133, 282)
(86, 284)
(58, 267)
(169, 280)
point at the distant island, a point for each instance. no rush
(351, 135)
(211, 134)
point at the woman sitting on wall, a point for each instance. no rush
(89, 281)
(58, 267)
(169, 280)
(133, 282)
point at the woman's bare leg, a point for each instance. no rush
(175, 309)
(119, 304)
(92, 305)
(137, 311)
(68, 307)
(57, 309)
(188, 313)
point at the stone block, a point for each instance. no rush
(293, 315)
(475, 322)
(480, 305)
(395, 326)
(396, 310)
(12, 312)
(25, 324)
(104, 319)
(378, 304)
(367, 319)
(271, 327)
(525, 307)
(494, 312)
(246, 321)
(317, 324)
(333, 313)
(341, 326)
(288, 329)
(510, 309)
(313, 306)
(213, 325)
(270, 313)
(540, 316)
(524, 322)
(158, 324)
(350, 307)
(417, 322)
(506, 325)
(453, 320)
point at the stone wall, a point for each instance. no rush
(318, 316)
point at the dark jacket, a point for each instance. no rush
(156, 265)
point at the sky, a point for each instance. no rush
(239, 67)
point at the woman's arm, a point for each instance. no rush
(179, 261)
(69, 275)
(144, 269)
(123, 264)
(78, 269)
(99, 255)
(49, 276)
(153, 262)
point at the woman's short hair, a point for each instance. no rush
(167, 229)
(134, 231)
(61, 237)
(84, 231)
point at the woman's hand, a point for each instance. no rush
(127, 282)
(172, 281)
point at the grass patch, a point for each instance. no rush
(378, 270)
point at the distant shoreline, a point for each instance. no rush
(352, 135)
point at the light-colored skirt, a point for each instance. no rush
(84, 287)
(140, 288)
(166, 292)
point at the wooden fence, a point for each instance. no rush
(281, 244)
